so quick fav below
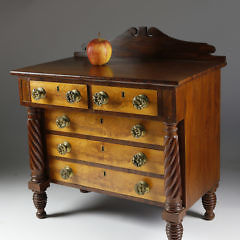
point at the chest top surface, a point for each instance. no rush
(140, 56)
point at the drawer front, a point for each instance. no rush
(106, 126)
(108, 180)
(121, 100)
(56, 94)
(146, 160)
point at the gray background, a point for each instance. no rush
(38, 31)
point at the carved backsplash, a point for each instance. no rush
(152, 43)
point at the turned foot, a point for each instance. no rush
(174, 231)
(84, 191)
(40, 201)
(209, 201)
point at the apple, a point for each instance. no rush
(99, 51)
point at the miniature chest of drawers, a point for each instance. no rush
(143, 127)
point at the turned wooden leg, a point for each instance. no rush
(84, 191)
(209, 201)
(174, 231)
(40, 202)
(173, 212)
(39, 181)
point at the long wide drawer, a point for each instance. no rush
(60, 94)
(107, 180)
(135, 158)
(106, 126)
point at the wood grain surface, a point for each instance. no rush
(157, 72)
(24, 90)
(120, 100)
(90, 189)
(55, 97)
(106, 153)
(144, 42)
(106, 126)
(198, 103)
(109, 180)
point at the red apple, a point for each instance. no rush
(99, 51)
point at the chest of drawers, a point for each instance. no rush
(144, 127)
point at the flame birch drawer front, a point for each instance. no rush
(59, 94)
(108, 180)
(141, 159)
(127, 100)
(105, 126)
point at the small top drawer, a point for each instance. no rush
(127, 100)
(59, 94)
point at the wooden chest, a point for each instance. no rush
(144, 127)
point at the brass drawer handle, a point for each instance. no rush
(64, 148)
(141, 188)
(38, 93)
(139, 159)
(66, 172)
(62, 121)
(140, 102)
(100, 98)
(138, 131)
(73, 96)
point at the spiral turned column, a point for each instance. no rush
(209, 201)
(39, 181)
(173, 185)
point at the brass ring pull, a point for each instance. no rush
(66, 172)
(100, 98)
(64, 148)
(138, 131)
(62, 121)
(73, 96)
(140, 102)
(142, 188)
(139, 159)
(38, 93)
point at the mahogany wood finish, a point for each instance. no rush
(209, 201)
(182, 123)
(198, 103)
(40, 202)
(84, 191)
(152, 43)
(147, 73)
(173, 184)
(39, 181)
(24, 91)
